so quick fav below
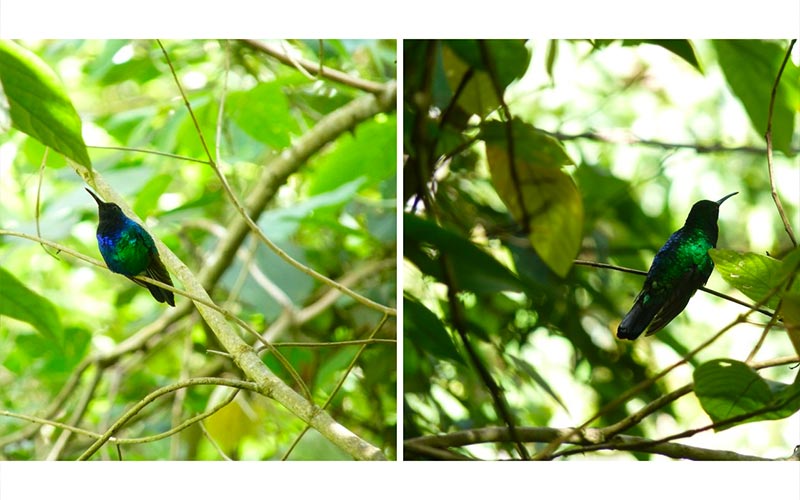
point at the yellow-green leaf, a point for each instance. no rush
(538, 193)
(509, 60)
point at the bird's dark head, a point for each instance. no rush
(108, 211)
(706, 212)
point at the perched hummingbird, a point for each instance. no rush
(129, 250)
(678, 270)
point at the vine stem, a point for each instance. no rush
(768, 136)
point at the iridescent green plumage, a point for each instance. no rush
(678, 270)
(129, 250)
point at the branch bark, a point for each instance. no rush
(589, 436)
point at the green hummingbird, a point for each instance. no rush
(678, 270)
(129, 250)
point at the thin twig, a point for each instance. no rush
(508, 122)
(132, 412)
(39, 198)
(629, 139)
(151, 152)
(317, 68)
(214, 443)
(788, 286)
(603, 265)
(768, 136)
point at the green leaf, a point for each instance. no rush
(425, 330)
(681, 48)
(509, 60)
(552, 55)
(728, 389)
(38, 104)
(752, 274)
(20, 302)
(424, 242)
(369, 152)
(263, 112)
(541, 196)
(750, 67)
(147, 198)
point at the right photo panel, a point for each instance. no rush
(600, 256)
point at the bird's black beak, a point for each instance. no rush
(98, 200)
(719, 202)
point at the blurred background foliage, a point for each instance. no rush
(647, 128)
(336, 214)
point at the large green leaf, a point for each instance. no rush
(20, 302)
(729, 389)
(424, 242)
(752, 274)
(38, 104)
(541, 196)
(750, 67)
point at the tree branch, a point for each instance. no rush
(630, 139)
(768, 137)
(316, 68)
(592, 437)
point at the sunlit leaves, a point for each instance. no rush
(37, 103)
(755, 275)
(263, 112)
(369, 152)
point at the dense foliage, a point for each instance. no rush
(304, 133)
(537, 174)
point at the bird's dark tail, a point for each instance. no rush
(158, 272)
(159, 294)
(637, 319)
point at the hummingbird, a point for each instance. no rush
(129, 250)
(678, 270)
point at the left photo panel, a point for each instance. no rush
(198, 245)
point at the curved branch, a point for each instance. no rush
(602, 265)
(316, 68)
(239, 384)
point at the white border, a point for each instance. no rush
(400, 19)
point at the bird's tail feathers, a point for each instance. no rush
(635, 322)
